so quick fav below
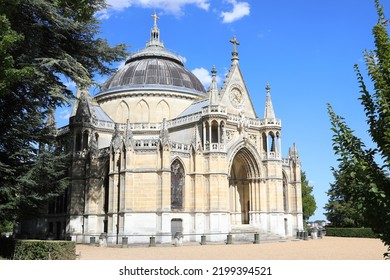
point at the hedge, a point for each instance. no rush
(351, 232)
(38, 249)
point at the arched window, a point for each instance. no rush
(206, 134)
(78, 142)
(214, 132)
(85, 140)
(222, 133)
(278, 141)
(264, 142)
(177, 185)
(271, 142)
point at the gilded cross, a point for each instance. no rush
(235, 43)
(155, 17)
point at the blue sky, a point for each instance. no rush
(305, 49)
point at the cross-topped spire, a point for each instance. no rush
(155, 17)
(235, 43)
(155, 33)
(235, 52)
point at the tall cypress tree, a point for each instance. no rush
(365, 182)
(41, 42)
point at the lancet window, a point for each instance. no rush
(177, 185)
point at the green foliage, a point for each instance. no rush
(44, 250)
(6, 226)
(309, 205)
(351, 232)
(42, 43)
(341, 211)
(365, 183)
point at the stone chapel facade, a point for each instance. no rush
(154, 153)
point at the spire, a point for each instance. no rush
(155, 33)
(234, 52)
(116, 139)
(213, 90)
(164, 134)
(269, 109)
(51, 123)
(51, 120)
(128, 134)
(293, 153)
(93, 146)
(76, 101)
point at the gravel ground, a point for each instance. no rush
(328, 248)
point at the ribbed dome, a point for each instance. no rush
(154, 67)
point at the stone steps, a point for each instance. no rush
(245, 233)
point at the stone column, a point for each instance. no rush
(219, 135)
(204, 135)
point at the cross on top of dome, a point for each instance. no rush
(155, 17)
(155, 33)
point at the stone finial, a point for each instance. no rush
(128, 134)
(164, 134)
(269, 108)
(116, 140)
(213, 92)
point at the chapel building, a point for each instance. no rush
(154, 153)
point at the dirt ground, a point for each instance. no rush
(327, 248)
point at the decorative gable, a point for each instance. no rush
(234, 94)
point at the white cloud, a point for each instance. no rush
(174, 7)
(64, 114)
(70, 85)
(119, 4)
(204, 76)
(240, 9)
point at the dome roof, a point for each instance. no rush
(154, 68)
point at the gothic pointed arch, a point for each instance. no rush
(162, 111)
(177, 184)
(122, 112)
(271, 142)
(242, 177)
(214, 131)
(252, 157)
(142, 113)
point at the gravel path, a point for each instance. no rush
(328, 248)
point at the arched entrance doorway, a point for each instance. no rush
(243, 172)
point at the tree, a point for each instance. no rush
(42, 43)
(341, 212)
(309, 205)
(365, 182)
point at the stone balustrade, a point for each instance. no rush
(214, 109)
